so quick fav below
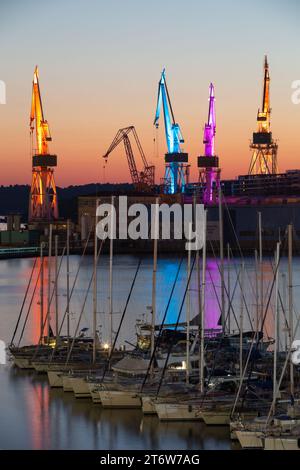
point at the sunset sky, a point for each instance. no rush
(100, 62)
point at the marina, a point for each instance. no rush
(171, 398)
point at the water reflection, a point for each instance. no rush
(14, 275)
(33, 416)
(44, 418)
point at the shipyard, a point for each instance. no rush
(149, 235)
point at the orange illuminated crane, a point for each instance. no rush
(264, 149)
(43, 196)
(142, 180)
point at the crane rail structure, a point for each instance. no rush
(142, 180)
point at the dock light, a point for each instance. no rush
(106, 346)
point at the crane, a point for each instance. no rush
(209, 172)
(141, 179)
(264, 148)
(43, 195)
(175, 171)
(210, 126)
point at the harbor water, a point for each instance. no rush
(33, 416)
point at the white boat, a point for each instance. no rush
(282, 443)
(80, 387)
(250, 434)
(221, 417)
(216, 417)
(178, 412)
(41, 367)
(94, 392)
(148, 405)
(22, 362)
(250, 439)
(55, 378)
(119, 399)
(67, 384)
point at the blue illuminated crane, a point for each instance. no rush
(176, 168)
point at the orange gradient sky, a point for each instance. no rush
(100, 63)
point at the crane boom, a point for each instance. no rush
(37, 120)
(263, 116)
(176, 168)
(210, 126)
(172, 130)
(144, 178)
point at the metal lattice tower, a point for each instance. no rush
(264, 148)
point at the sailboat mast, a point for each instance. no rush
(228, 288)
(42, 291)
(156, 235)
(242, 321)
(111, 254)
(68, 280)
(261, 267)
(95, 286)
(202, 326)
(256, 291)
(56, 287)
(49, 279)
(221, 234)
(188, 310)
(290, 301)
(276, 338)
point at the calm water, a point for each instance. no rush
(33, 416)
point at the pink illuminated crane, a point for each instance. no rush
(209, 171)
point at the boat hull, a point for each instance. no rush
(23, 363)
(55, 379)
(282, 443)
(119, 399)
(94, 392)
(80, 387)
(250, 439)
(216, 418)
(177, 412)
(67, 385)
(148, 405)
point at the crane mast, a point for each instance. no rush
(37, 120)
(176, 169)
(263, 147)
(209, 171)
(143, 179)
(210, 126)
(43, 205)
(263, 116)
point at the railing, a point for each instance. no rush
(19, 251)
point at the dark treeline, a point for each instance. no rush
(14, 198)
